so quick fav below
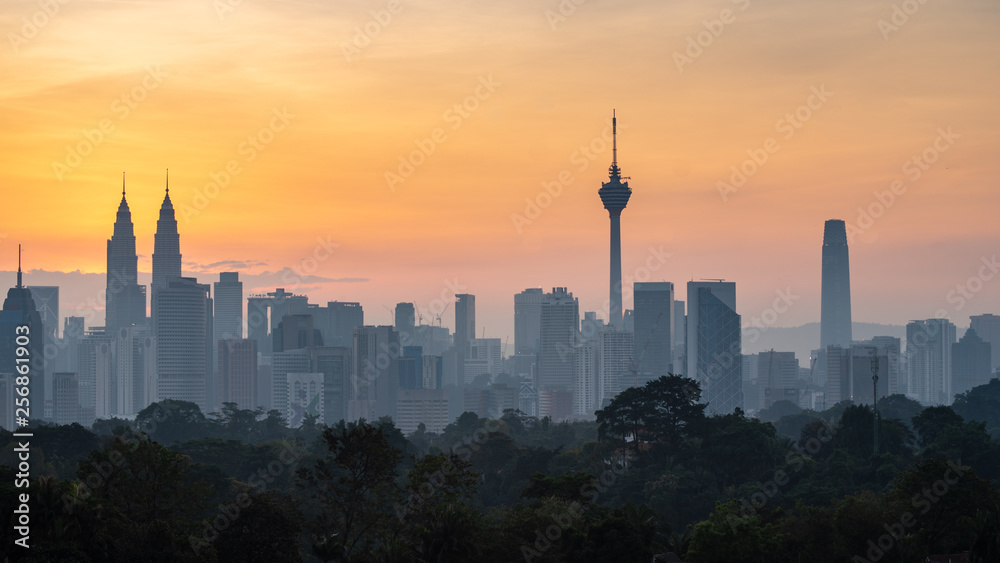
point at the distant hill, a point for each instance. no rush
(803, 339)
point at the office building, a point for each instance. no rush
(714, 346)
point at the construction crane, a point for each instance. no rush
(392, 319)
(438, 317)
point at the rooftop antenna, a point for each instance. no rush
(168, 181)
(19, 285)
(123, 184)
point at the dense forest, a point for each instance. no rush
(652, 475)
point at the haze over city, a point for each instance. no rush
(213, 81)
(573, 280)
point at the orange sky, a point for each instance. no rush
(185, 85)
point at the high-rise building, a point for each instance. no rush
(65, 398)
(166, 249)
(586, 364)
(988, 328)
(337, 322)
(305, 398)
(47, 300)
(95, 375)
(970, 362)
(294, 332)
(928, 355)
(837, 370)
(135, 367)
(614, 371)
(777, 377)
(680, 338)
(21, 327)
(237, 377)
(465, 330)
(405, 319)
(559, 325)
(125, 299)
(527, 320)
(835, 306)
(375, 376)
(653, 342)
(335, 365)
(282, 364)
(422, 406)
(227, 322)
(714, 345)
(482, 357)
(615, 195)
(182, 313)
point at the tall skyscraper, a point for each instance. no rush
(615, 195)
(228, 322)
(970, 362)
(559, 325)
(182, 324)
(614, 370)
(237, 379)
(988, 328)
(835, 306)
(125, 298)
(375, 375)
(20, 317)
(653, 341)
(928, 354)
(714, 351)
(135, 368)
(335, 365)
(465, 330)
(166, 246)
(527, 320)
(406, 319)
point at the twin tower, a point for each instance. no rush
(126, 299)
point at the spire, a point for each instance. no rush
(19, 284)
(123, 185)
(168, 182)
(614, 171)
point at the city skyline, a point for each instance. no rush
(312, 130)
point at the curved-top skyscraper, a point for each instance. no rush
(166, 246)
(835, 312)
(615, 194)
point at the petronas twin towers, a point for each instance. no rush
(126, 299)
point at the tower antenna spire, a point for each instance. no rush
(168, 181)
(614, 172)
(19, 284)
(123, 184)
